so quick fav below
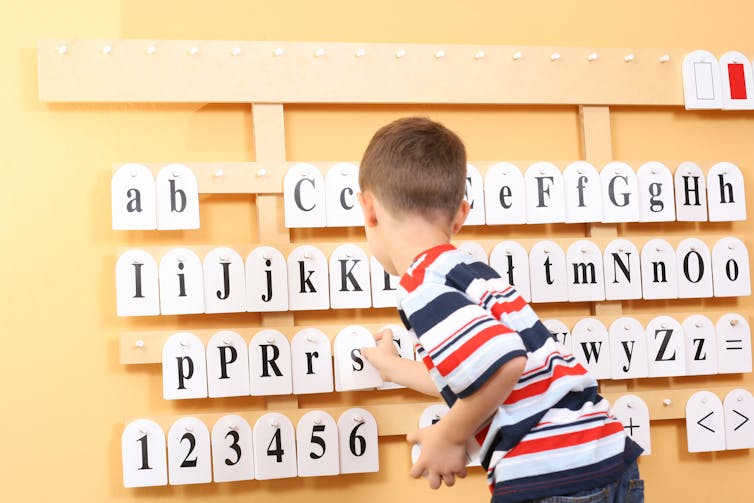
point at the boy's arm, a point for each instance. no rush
(393, 368)
(443, 445)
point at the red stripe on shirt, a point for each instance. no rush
(500, 308)
(410, 281)
(565, 440)
(462, 352)
(539, 387)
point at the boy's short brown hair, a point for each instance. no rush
(417, 166)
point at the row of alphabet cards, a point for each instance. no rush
(541, 194)
(270, 364)
(506, 194)
(709, 83)
(665, 347)
(267, 281)
(234, 451)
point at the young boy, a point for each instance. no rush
(543, 429)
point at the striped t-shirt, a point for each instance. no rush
(553, 435)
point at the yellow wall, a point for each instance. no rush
(65, 394)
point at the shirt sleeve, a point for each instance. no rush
(463, 341)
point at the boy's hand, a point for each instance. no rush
(382, 356)
(441, 460)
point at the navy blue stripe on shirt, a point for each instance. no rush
(535, 336)
(436, 311)
(461, 275)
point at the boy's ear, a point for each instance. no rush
(366, 200)
(460, 218)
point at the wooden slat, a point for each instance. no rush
(269, 143)
(392, 419)
(328, 247)
(257, 178)
(403, 418)
(145, 347)
(214, 75)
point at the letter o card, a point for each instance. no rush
(730, 268)
(694, 269)
(143, 448)
(358, 442)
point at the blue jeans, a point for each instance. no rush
(628, 489)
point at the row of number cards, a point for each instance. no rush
(234, 451)
(321, 447)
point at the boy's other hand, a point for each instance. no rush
(383, 354)
(441, 460)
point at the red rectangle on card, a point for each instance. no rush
(737, 81)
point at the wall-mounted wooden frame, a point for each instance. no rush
(271, 74)
(200, 71)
